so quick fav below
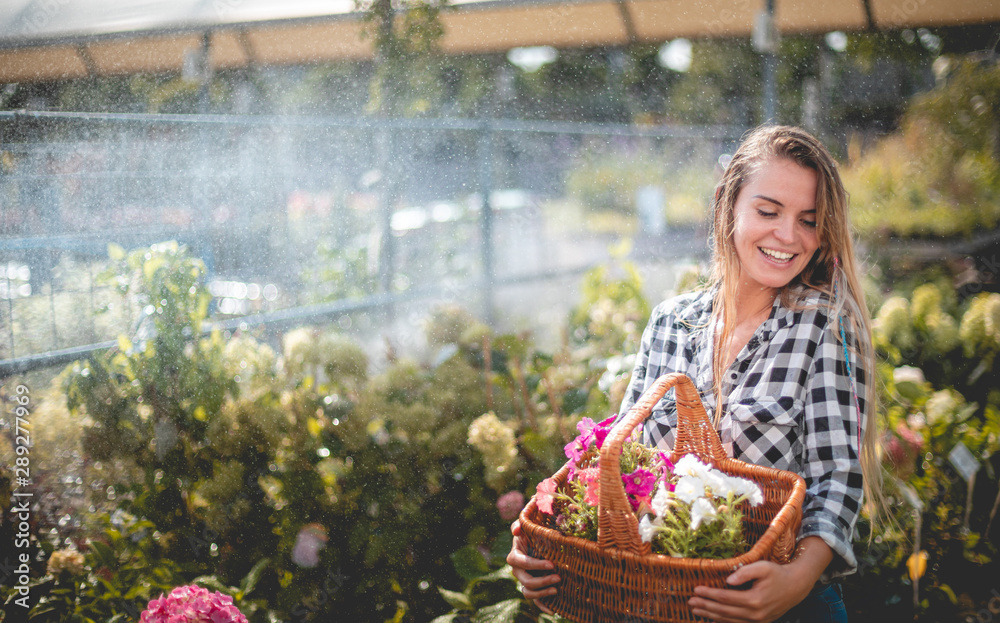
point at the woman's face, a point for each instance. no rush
(775, 224)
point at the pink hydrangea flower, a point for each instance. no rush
(192, 604)
(308, 543)
(545, 495)
(510, 505)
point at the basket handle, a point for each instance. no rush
(617, 525)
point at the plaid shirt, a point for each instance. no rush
(789, 403)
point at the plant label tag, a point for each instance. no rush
(963, 461)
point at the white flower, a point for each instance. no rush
(661, 500)
(701, 510)
(908, 374)
(940, 407)
(310, 540)
(648, 529)
(689, 488)
(689, 465)
(720, 484)
(748, 489)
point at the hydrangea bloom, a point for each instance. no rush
(510, 504)
(308, 543)
(497, 443)
(68, 560)
(192, 604)
(893, 324)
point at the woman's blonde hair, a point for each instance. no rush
(832, 267)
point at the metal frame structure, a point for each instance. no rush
(485, 132)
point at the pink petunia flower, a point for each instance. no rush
(600, 434)
(591, 477)
(639, 483)
(545, 495)
(586, 427)
(668, 465)
(602, 430)
(575, 449)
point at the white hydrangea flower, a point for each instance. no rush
(648, 528)
(689, 488)
(941, 407)
(701, 511)
(908, 374)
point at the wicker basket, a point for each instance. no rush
(618, 578)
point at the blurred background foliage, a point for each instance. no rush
(939, 175)
(307, 485)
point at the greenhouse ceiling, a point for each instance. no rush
(43, 40)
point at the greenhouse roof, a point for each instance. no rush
(61, 39)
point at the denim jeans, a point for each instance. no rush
(825, 604)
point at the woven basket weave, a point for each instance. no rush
(618, 578)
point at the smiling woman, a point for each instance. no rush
(779, 348)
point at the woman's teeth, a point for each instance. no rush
(777, 255)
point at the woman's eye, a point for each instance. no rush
(765, 212)
(811, 224)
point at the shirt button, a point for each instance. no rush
(733, 376)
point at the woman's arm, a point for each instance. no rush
(776, 589)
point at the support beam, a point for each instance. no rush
(86, 59)
(869, 15)
(633, 38)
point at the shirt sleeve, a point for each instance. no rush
(832, 441)
(637, 383)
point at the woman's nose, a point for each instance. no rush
(784, 231)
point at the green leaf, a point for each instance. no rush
(459, 601)
(249, 582)
(469, 563)
(104, 556)
(116, 252)
(150, 267)
(445, 618)
(503, 573)
(213, 583)
(944, 588)
(503, 612)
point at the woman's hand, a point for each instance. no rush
(776, 588)
(534, 586)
